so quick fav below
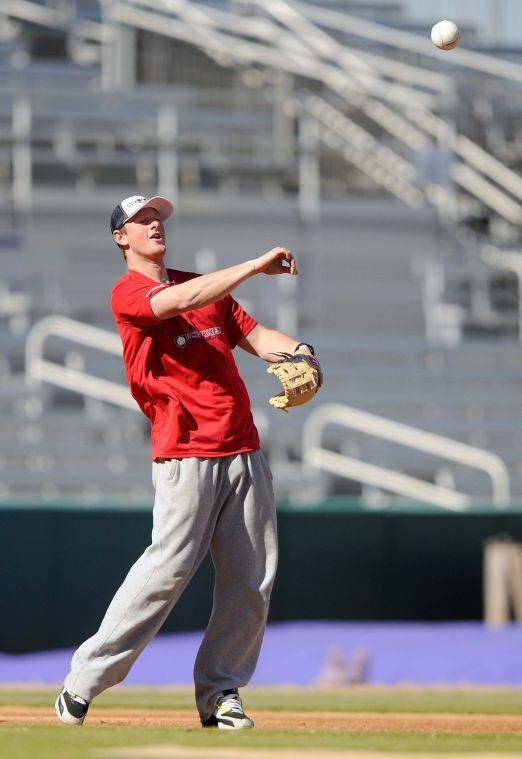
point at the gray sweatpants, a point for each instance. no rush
(225, 504)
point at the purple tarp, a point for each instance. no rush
(304, 653)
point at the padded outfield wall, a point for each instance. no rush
(60, 565)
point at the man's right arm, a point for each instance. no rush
(209, 288)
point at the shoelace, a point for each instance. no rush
(231, 701)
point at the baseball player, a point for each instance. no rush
(213, 486)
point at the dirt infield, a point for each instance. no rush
(291, 720)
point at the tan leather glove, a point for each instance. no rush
(300, 376)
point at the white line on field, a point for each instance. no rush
(164, 751)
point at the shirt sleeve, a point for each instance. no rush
(130, 302)
(238, 323)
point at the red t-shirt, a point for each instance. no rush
(181, 370)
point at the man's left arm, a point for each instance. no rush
(267, 343)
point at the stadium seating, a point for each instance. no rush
(361, 298)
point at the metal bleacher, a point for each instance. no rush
(394, 291)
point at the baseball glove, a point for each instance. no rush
(300, 376)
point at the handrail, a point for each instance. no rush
(334, 413)
(291, 36)
(41, 14)
(355, 65)
(331, 19)
(324, 45)
(486, 163)
(271, 51)
(37, 369)
(476, 185)
(381, 163)
(36, 13)
(507, 260)
(326, 60)
(470, 152)
(40, 370)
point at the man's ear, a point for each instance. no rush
(120, 238)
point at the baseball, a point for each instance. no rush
(445, 35)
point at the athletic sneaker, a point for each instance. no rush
(70, 708)
(229, 714)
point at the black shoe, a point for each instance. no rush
(228, 713)
(70, 708)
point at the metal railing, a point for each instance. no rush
(299, 45)
(317, 18)
(346, 466)
(38, 369)
(511, 261)
(383, 165)
(43, 14)
(298, 38)
(371, 30)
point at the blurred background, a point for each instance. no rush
(392, 170)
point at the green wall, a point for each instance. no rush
(60, 567)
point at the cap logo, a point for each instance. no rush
(130, 203)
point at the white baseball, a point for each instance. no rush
(445, 35)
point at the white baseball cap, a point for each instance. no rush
(129, 207)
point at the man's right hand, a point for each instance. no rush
(276, 261)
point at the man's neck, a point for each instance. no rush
(155, 270)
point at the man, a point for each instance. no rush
(213, 486)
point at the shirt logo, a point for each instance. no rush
(197, 334)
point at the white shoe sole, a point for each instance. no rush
(239, 724)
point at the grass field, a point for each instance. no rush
(290, 724)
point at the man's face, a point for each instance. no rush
(144, 234)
